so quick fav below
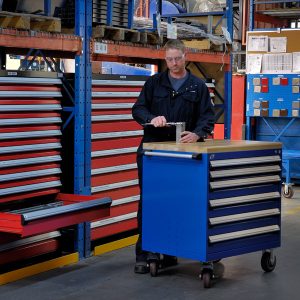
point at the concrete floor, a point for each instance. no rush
(111, 276)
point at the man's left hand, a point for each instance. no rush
(189, 137)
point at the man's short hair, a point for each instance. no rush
(175, 44)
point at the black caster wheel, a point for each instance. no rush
(207, 278)
(153, 266)
(268, 264)
(287, 193)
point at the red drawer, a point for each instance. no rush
(115, 228)
(115, 126)
(284, 81)
(109, 144)
(116, 89)
(264, 89)
(102, 179)
(264, 81)
(113, 160)
(72, 209)
(29, 251)
(124, 192)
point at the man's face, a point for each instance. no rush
(175, 60)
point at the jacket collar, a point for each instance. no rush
(166, 82)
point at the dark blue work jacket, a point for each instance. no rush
(190, 104)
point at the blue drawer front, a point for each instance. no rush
(244, 204)
(174, 206)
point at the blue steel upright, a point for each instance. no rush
(211, 200)
(82, 116)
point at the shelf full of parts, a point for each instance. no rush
(273, 87)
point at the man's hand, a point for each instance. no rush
(159, 121)
(189, 137)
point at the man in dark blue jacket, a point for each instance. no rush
(175, 95)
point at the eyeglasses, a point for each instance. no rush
(176, 59)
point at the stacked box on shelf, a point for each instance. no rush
(115, 138)
(118, 12)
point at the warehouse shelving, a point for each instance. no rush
(266, 124)
(61, 45)
(277, 15)
(82, 47)
(127, 52)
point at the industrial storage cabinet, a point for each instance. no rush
(115, 137)
(273, 101)
(207, 201)
(32, 205)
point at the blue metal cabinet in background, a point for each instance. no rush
(273, 102)
(206, 201)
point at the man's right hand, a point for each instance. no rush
(159, 121)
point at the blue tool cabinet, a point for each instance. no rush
(274, 101)
(207, 201)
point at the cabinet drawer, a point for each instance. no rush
(66, 210)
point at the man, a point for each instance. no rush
(171, 96)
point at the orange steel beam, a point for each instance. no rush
(125, 52)
(12, 38)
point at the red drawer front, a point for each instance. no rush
(16, 183)
(29, 251)
(120, 193)
(265, 89)
(284, 81)
(29, 115)
(112, 229)
(114, 177)
(113, 100)
(98, 127)
(30, 128)
(15, 156)
(111, 112)
(20, 87)
(113, 160)
(107, 144)
(16, 101)
(116, 89)
(29, 169)
(28, 195)
(123, 209)
(16, 223)
(28, 142)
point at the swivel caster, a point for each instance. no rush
(287, 191)
(268, 261)
(207, 276)
(153, 260)
(153, 266)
